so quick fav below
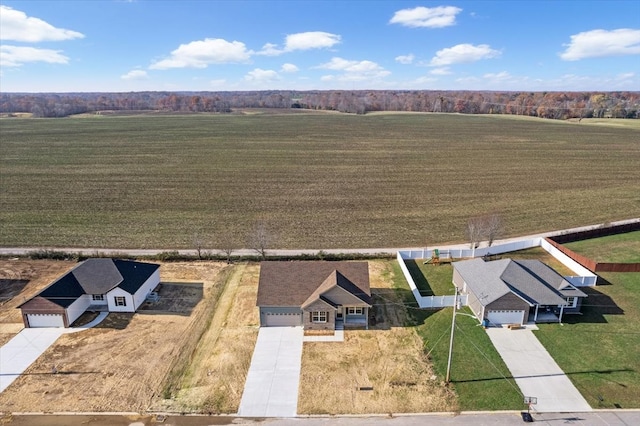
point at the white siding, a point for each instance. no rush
(77, 308)
(118, 292)
(146, 288)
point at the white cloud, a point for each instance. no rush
(15, 56)
(311, 40)
(405, 59)
(135, 75)
(261, 76)
(500, 77)
(441, 71)
(202, 53)
(270, 49)
(289, 68)
(302, 41)
(431, 17)
(354, 70)
(600, 43)
(17, 26)
(463, 53)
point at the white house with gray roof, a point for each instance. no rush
(510, 291)
(111, 285)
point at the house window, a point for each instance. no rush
(571, 302)
(98, 297)
(318, 316)
(120, 301)
(355, 311)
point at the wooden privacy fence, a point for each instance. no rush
(591, 264)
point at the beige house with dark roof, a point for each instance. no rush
(315, 294)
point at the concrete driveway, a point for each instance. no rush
(271, 389)
(20, 352)
(535, 372)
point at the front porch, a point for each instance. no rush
(359, 321)
(98, 308)
(546, 314)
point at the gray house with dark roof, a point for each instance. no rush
(111, 285)
(515, 291)
(317, 295)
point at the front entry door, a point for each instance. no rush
(339, 313)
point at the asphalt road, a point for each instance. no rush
(593, 418)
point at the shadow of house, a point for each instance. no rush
(595, 309)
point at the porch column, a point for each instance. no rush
(561, 310)
(366, 317)
(535, 316)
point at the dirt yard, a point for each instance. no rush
(122, 364)
(380, 370)
(190, 351)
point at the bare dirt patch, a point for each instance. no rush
(122, 364)
(381, 370)
(214, 379)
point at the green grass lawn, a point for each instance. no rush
(478, 375)
(600, 350)
(315, 180)
(619, 248)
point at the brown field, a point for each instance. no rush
(314, 180)
(387, 360)
(122, 364)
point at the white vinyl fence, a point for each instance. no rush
(584, 277)
(427, 302)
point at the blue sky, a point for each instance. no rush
(135, 45)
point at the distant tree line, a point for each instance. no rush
(554, 105)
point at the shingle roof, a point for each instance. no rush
(292, 283)
(96, 276)
(483, 278)
(532, 280)
(63, 292)
(529, 286)
(134, 273)
(551, 277)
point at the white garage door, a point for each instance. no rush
(45, 320)
(282, 319)
(505, 317)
